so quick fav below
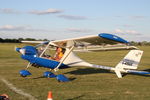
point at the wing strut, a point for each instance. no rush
(44, 49)
(70, 50)
(29, 64)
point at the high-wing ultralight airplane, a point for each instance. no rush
(65, 49)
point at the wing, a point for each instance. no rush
(105, 48)
(33, 42)
(100, 39)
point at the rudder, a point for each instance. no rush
(130, 61)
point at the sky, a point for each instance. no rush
(61, 19)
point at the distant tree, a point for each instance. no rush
(143, 43)
(20, 39)
(134, 43)
(1, 40)
(45, 40)
(139, 44)
(30, 39)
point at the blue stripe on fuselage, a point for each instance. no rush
(47, 63)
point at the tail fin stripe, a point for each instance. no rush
(129, 62)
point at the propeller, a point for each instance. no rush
(15, 47)
(46, 42)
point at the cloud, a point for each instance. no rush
(36, 12)
(8, 11)
(78, 30)
(131, 32)
(138, 17)
(144, 38)
(135, 17)
(73, 17)
(44, 12)
(127, 25)
(27, 28)
(12, 28)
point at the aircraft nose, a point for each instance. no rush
(18, 49)
(22, 51)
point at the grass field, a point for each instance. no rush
(87, 83)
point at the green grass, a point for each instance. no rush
(87, 83)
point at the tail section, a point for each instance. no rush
(130, 61)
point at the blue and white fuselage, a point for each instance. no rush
(127, 64)
(30, 54)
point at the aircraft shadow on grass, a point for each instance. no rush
(147, 70)
(94, 71)
(75, 98)
(82, 71)
(85, 71)
(71, 79)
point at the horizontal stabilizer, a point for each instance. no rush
(138, 72)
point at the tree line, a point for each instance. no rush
(19, 40)
(143, 43)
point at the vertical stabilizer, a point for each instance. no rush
(130, 61)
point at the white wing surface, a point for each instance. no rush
(100, 39)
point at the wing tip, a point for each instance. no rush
(113, 37)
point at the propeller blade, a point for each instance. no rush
(15, 47)
(46, 42)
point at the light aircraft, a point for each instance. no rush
(31, 53)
